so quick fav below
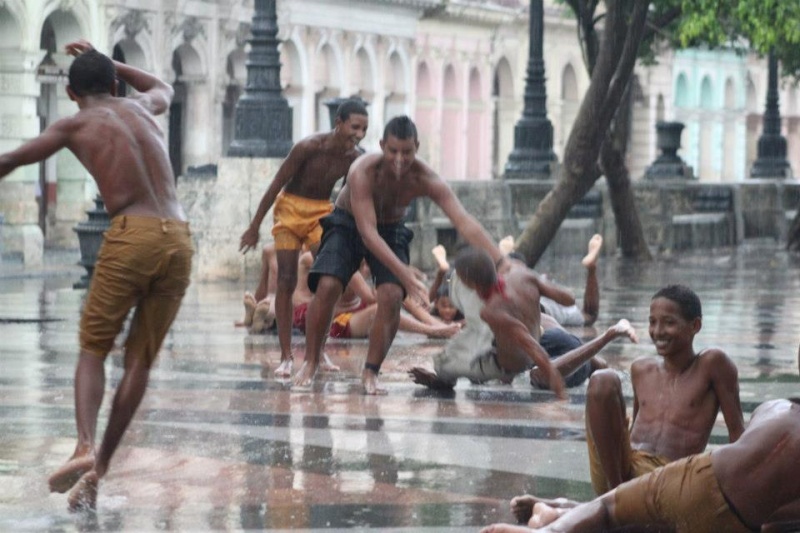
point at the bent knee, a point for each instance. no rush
(604, 383)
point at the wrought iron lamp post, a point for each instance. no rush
(771, 161)
(263, 123)
(90, 238)
(533, 154)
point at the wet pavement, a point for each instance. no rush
(220, 444)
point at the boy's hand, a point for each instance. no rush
(249, 240)
(78, 47)
(416, 289)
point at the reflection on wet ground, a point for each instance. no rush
(220, 444)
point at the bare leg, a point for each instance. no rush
(437, 331)
(591, 293)
(269, 263)
(90, 382)
(522, 506)
(605, 419)
(126, 401)
(384, 329)
(287, 280)
(318, 322)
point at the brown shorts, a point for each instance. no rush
(297, 221)
(635, 462)
(684, 494)
(145, 263)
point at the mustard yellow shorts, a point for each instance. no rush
(145, 263)
(635, 462)
(684, 494)
(297, 221)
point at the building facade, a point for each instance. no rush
(457, 67)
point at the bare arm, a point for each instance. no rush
(569, 362)
(154, 95)
(555, 292)
(467, 225)
(362, 289)
(363, 208)
(437, 282)
(421, 313)
(299, 153)
(725, 381)
(39, 148)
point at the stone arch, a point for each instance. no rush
(729, 132)
(329, 79)
(682, 98)
(395, 87)
(10, 29)
(293, 75)
(503, 116)
(569, 84)
(363, 74)
(730, 94)
(425, 112)
(569, 104)
(475, 131)
(134, 54)
(451, 146)
(235, 79)
(706, 93)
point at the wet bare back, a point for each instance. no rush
(123, 147)
(324, 165)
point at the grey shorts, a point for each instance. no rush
(565, 315)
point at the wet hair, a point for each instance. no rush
(476, 266)
(353, 106)
(91, 73)
(687, 300)
(443, 290)
(401, 128)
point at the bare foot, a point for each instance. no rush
(84, 496)
(305, 375)
(623, 327)
(420, 376)
(440, 254)
(327, 365)
(522, 506)
(444, 331)
(284, 369)
(544, 514)
(370, 381)
(506, 245)
(595, 243)
(504, 528)
(70, 472)
(262, 317)
(249, 308)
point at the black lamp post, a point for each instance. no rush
(771, 161)
(533, 154)
(90, 238)
(263, 123)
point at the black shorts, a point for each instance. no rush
(557, 342)
(342, 250)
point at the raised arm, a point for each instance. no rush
(154, 95)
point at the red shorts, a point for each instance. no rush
(299, 317)
(340, 328)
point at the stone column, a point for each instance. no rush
(19, 122)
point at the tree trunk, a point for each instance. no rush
(610, 76)
(623, 203)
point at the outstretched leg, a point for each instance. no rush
(126, 401)
(90, 382)
(269, 265)
(318, 322)
(591, 293)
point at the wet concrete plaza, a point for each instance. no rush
(220, 444)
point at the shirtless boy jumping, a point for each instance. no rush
(301, 192)
(146, 257)
(676, 399)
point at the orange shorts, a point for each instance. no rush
(297, 221)
(636, 462)
(145, 263)
(684, 494)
